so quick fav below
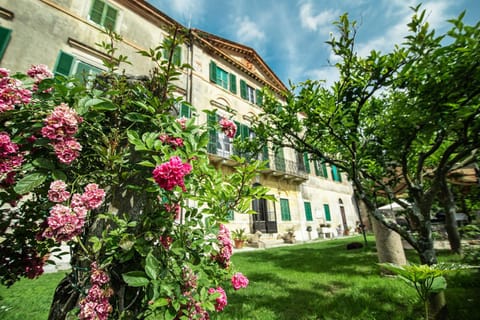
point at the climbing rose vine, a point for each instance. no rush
(109, 171)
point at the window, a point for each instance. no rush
(219, 143)
(103, 14)
(68, 65)
(326, 208)
(249, 93)
(223, 78)
(320, 169)
(5, 35)
(308, 211)
(336, 175)
(183, 110)
(285, 210)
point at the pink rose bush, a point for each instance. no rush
(239, 281)
(221, 301)
(66, 222)
(226, 247)
(60, 127)
(172, 141)
(39, 72)
(229, 128)
(58, 191)
(10, 158)
(170, 174)
(95, 306)
(12, 92)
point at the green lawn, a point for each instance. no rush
(320, 280)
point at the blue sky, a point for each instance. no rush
(290, 35)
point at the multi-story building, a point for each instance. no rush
(226, 76)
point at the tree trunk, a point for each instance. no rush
(389, 244)
(67, 293)
(65, 298)
(448, 203)
(438, 306)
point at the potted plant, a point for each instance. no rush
(289, 237)
(239, 238)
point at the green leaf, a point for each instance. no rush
(146, 163)
(152, 265)
(159, 303)
(96, 244)
(144, 106)
(127, 242)
(439, 284)
(137, 117)
(100, 105)
(92, 102)
(136, 279)
(59, 175)
(43, 163)
(29, 182)
(82, 107)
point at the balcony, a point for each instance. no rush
(221, 150)
(287, 169)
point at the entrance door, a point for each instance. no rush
(265, 219)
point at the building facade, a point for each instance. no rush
(311, 198)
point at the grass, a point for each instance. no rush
(319, 280)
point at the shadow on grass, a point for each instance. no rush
(335, 300)
(331, 257)
(318, 281)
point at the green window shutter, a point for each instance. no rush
(110, 18)
(64, 63)
(233, 83)
(5, 35)
(96, 12)
(243, 89)
(317, 168)
(212, 143)
(324, 170)
(259, 97)
(308, 211)
(213, 72)
(230, 215)
(237, 134)
(185, 111)
(306, 162)
(245, 132)
(285, 210)
(279, 160)
(336, 174)
(265, 155)
(326, 208)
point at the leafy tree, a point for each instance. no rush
(107, 167)
(396, 123)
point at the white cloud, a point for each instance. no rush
(400, 15)
(248, 31)
(317, 22)
(328, 74)
(188, 10)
